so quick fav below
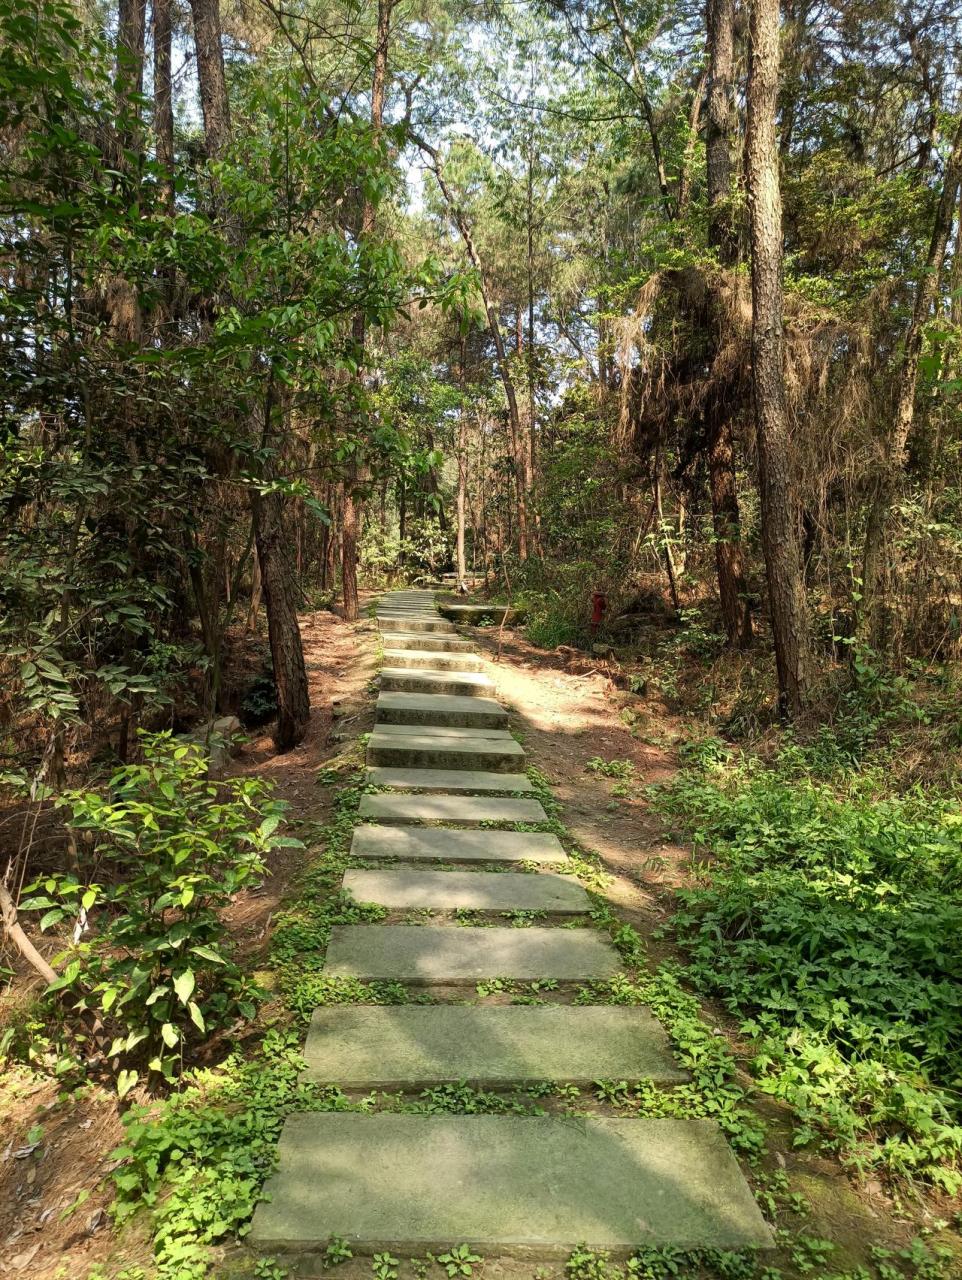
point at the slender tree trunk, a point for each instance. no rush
(639, 86)
(730, 565)
(890, 469)
(530, 435)
(256, 593)
(670, 569)
(694, 120)
(357, 473)
(515, 427)
(402, 522)
(281, 595)
(779, 517)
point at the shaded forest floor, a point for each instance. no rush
(598, 746)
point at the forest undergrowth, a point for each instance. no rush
(824, 899)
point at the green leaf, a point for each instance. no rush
(170, 1034)
(184, 985)
(125, 1082)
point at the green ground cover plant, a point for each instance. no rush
(829, 919)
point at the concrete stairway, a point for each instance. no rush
(443, 754)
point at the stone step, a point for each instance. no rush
(472, 614)
(413, 1046)
(415, 844)
(453, 781)
(426, 641)
(500, 755)
(464, 684)
(439, 709)
(405, 624)
(409, 888)
(446, 732)
(467, 810)
(538, 1184)
(454, 954)
(426, 659)
(393, 607)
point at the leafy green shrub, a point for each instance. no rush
(831, 923)
(553, 624)
(259, 703)
(198, 1162)
(611, 768)
(169, 848)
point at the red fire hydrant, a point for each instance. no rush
(599, 602)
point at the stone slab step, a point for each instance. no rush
(439, 709)
(500, 755)
(540, 1184)
(432, 844)
(469, 810)
(464, 684)
(432, 661)
(452, 781)
(426, 641)
(408, 888)
(455, 954)
(406, 611)
(410, 1046)
(472, 614)
(407, 624)
(446, 732)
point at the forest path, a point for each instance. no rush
(537, 1183)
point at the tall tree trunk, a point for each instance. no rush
(349, 522)
(357, 473)
(779, 517)
(281, 596)
(462, 493)
(530, 435)
(163, 101)
(726, 524)
(888, 473)
(402, 519)
(722, 127)
(210, 74)
(729, 561)
(129, 74)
